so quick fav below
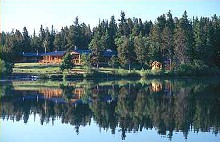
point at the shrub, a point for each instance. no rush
(196, 68)
(184, 69)
(156, 72)
(55, 76)
(6, 68)
(73, 76)
(43, 76)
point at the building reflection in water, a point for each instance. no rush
(168, 106)
(156, 86)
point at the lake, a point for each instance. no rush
(176, 110)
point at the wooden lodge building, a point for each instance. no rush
(28, 57)
(52, 57)
(56, 57)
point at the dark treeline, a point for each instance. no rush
(132, 107)
(182, 40)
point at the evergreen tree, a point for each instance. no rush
(86, 36)
(85, 61)
(8, 51)
(106, 39)
(2, 36)
(46, 46)
(19, 45)
(74, 37)
(141, 48)
(147, 28)
(167, 38)
(180, 50)
(97, 49)
(67, 62)
(123, 29)
(35, 43)
(216, 40)
(77, 35)
(161, 23)
(155, 50)
(113, 62)
(203, 47)
(6, 69)
(126, 53)
(26, 40)
(183, 41)
(48, 40)
(41, 38)
(136, 28)
(52, 38)
(64, 38)
(112, 30)
(57, 41)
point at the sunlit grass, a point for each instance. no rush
(38, 68)
(53, 71)
(35, 68)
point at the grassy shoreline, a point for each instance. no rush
(78, 72)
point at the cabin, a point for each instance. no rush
(77, 54)
(156, 65)
(54, 57)
(28, 57)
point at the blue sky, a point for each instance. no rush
(32, 13)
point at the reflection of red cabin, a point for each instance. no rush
(156, 86)
(51, 92)
(77, 94)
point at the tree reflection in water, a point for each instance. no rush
(167, 105)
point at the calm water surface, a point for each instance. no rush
(186, 110)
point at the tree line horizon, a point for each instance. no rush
(182, 40)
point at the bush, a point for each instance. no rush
(43, 76)
(155, 73)
(123, 72)
(197, 68)
(184, 69)
(73, 76)
(56, 77)
(134, 75)
(6, 68)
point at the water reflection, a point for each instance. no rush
(166, 105)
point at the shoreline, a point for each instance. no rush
(94, 76)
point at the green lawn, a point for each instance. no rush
(43, 69)
(47, 69)
(35, 68)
